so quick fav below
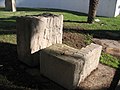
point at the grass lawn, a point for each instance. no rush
(72, 20)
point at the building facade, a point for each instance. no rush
(108, 8)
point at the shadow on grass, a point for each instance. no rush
(75, 21)
(102, 34)
(115, 80)
(51, 10)
(47, 10)
(7, 32)
(8, 23)
(13, 77)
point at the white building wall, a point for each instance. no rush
(74, 5)
(106, 7)
(2, 3)
(117, 9)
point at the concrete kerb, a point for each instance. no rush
(68, 66)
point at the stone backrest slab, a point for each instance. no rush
(35, 33)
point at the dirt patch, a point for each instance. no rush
(74, 39)
(100, 79)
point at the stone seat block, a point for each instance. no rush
(68, 66)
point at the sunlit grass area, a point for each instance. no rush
(110, 60)
(72, 19)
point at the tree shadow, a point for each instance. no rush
(2, 9)
(13, 75)
(115, 80)
(8, 23)
(51, 10)
(75, 21)
(102, 34)
(47, 10)
(7, 32)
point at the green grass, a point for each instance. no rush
(8, 38)
(110, 60)
(72, 19)
(88, 39)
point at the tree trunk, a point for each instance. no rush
(93, 4)
(10, 5)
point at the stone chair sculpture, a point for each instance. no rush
(62, 64)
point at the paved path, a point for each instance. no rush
(109, 46)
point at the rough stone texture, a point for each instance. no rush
(91, 55)
(109, 46)
(68, 66)
(10, 5)
(35, 33)
(60, 65)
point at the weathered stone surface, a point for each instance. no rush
(68, 66)
(35, 33)
(109, 46)
(10, 5)
(59, 64)
(91, 55)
